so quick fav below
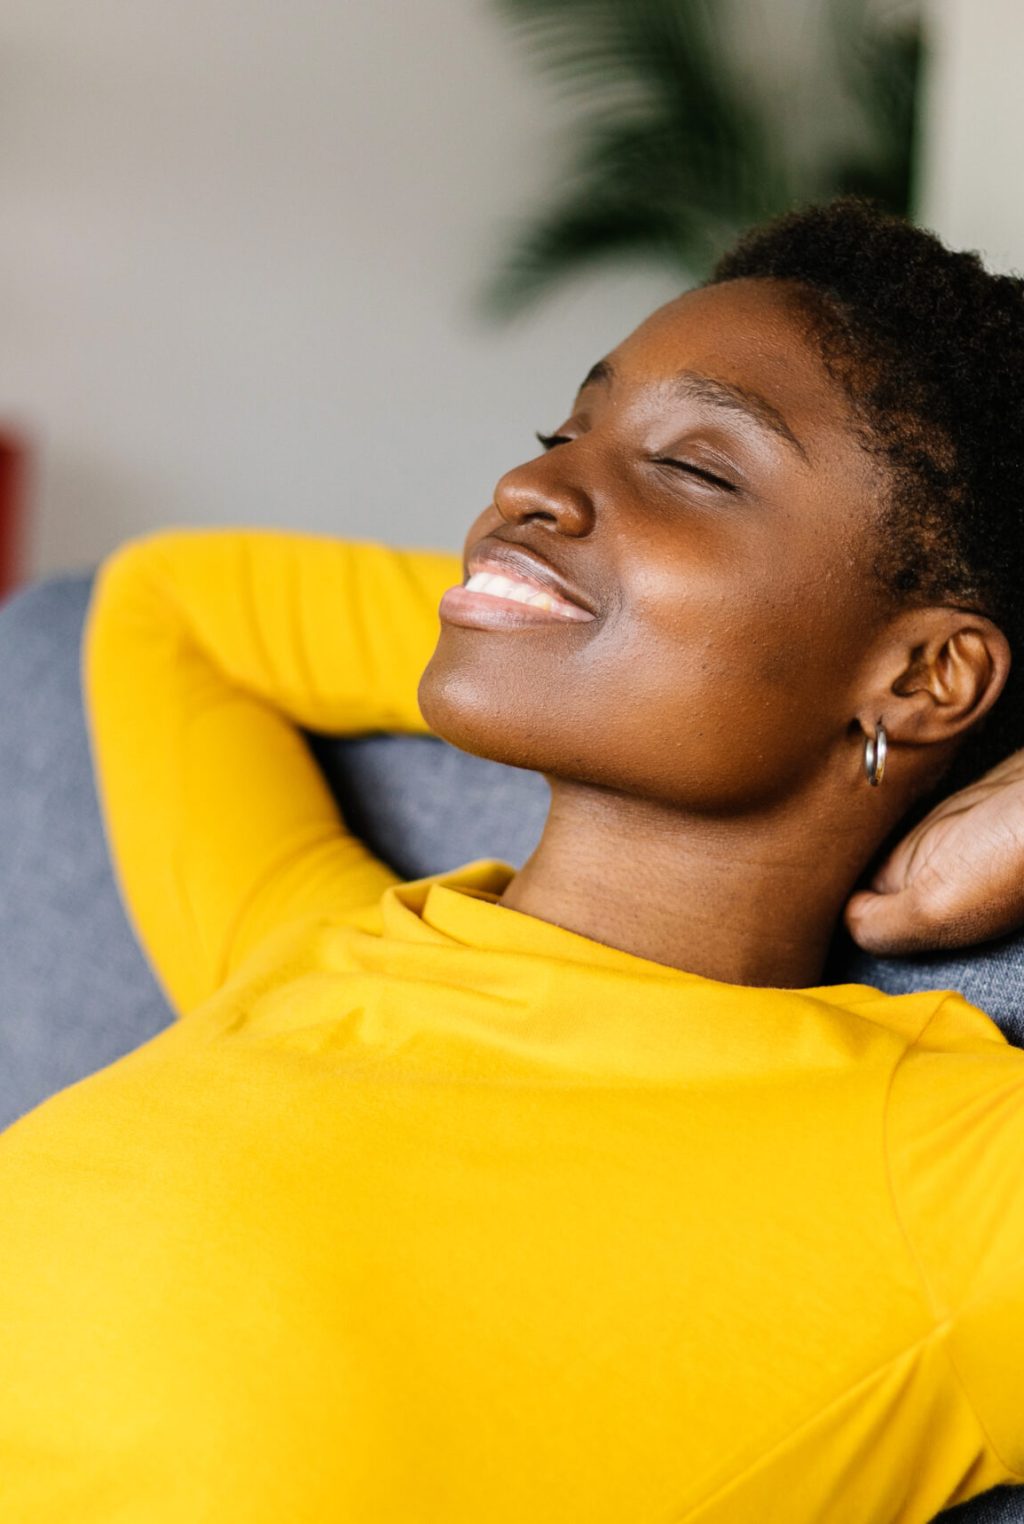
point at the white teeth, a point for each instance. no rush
(505, 587)
(516, 590)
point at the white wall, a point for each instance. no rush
(239, 245)
(970, 188)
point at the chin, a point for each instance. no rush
(459, 707)
(518, 724)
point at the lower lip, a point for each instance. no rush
(482, 611)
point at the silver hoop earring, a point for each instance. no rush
(875, 748)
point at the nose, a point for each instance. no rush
(536, 490)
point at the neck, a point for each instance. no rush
(746, 900)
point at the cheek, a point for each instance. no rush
(720, 695)
(720, 641)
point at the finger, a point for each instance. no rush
(890, 924)
(926, 917)
(896, 871)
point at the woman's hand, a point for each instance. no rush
(956, 879)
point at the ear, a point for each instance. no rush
(940, 671)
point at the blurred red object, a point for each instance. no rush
(13, 507)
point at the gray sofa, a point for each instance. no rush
(76, 992)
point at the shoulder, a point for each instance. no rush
(955, 1144)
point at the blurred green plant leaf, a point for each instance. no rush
(881, 69)
(673, 153)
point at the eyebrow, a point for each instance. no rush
(727, 395)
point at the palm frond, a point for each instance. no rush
(673, 153)
(882, 66)
(579, 233)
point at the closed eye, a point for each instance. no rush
(708, 476)
(548, 441)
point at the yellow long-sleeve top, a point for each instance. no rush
(428, 1210)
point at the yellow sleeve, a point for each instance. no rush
(203, 651)
(956, 1146)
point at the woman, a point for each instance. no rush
(570, 1194)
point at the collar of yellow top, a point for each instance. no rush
(596, 1008)
(464, 906)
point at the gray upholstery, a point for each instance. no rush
(76, 992)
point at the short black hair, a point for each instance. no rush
(929, 347)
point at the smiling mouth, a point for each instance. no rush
(490, 598)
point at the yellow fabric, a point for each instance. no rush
(427, 1210)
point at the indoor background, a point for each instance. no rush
(258, 262)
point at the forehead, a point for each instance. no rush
(754, 334)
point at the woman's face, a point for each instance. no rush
(708, 501)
